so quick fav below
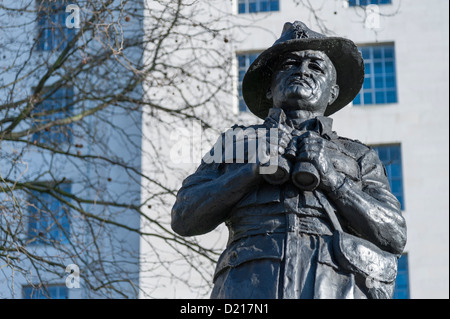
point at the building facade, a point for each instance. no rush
(59, 185)
(401, 111)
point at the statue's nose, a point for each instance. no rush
(302, 69)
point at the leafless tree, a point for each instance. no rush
(72, 103)
(87, 109)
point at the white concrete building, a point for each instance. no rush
(40, 236)
(403, 111)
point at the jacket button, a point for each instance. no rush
(233, 256)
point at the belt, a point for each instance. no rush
(275, 224)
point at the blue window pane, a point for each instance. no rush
(367, 83)
(396, 170)
(244, 62)
(389, 52)
(380, 98)
(377, 52)
(357, 100)
(353, 3)
(396, 186)
(395, 153)
(241, 8)
(56, 105)
(241, 75)
(51, 292)
(51, 29)
(390, 155)
(390, 82)
(264, 6)
(400, 200)
(48, 218)
(378, 68)
(274, 5)
(252, 6)
(241, 61)
(391, 97)
(368, 98)
(242, 106)
(365, 53)
(252, 58)
(389, 67)
(379, 82)
(401, 290)
(403, 263)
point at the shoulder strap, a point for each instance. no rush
(330, 210)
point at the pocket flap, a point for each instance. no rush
(359, 255)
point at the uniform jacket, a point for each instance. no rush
(279, 237)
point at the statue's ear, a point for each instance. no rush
(334, 94)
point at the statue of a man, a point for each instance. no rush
(319, 223)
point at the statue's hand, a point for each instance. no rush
(283, 135)
(317, 150)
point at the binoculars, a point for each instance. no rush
(303, 174)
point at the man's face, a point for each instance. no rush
(304, 80)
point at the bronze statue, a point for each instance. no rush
(321, 221)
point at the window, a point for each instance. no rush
(48, 217)
(244, 61)
(391, 156)
(401, 290)
(380, 85)
(252, 6)
(56, 106)
(50, 292)
(353, 3)
(52, 30)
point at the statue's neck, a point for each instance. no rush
(301, 115)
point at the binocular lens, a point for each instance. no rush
(282, 173)
(305, 176)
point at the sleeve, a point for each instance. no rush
(206, 197)
(370, 209)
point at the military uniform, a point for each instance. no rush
(280, 238)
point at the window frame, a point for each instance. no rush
(43, 227)
(372, 89)
(246, 6)
(44, 292)
(249, 57)
(44, 113)
(400, 195)
(357, 3)
(52, 33)
(402, 291)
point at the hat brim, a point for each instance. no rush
(342, 52)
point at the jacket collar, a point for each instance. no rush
(320, 124)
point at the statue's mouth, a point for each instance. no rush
(305, 82)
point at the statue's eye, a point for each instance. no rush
(287, 64)
(315, 67)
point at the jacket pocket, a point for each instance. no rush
(250, 249)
